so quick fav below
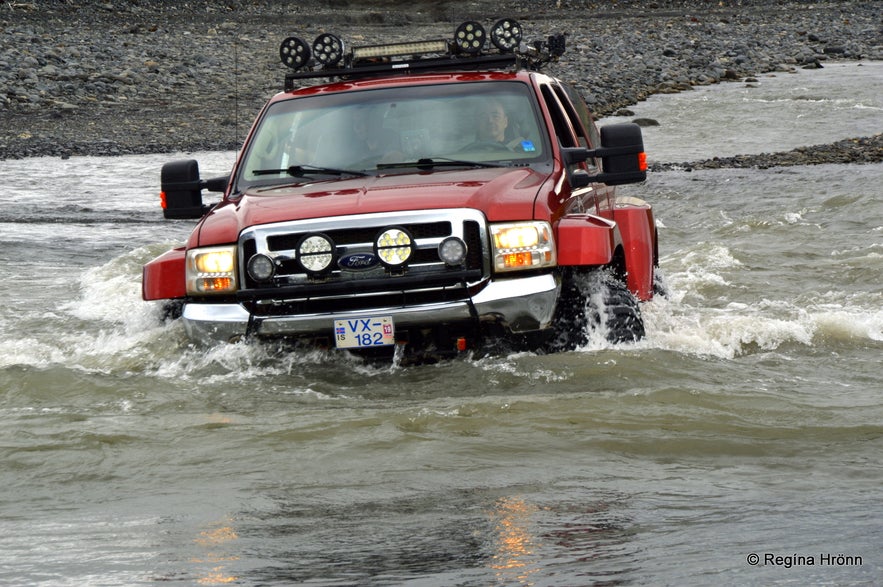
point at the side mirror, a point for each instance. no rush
(216, 184)
(622, 157)
(580, 178)
(625, 160)
(182, 189)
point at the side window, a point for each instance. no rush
(568, 124)
(578, 122)
(581, 111)
(559, 118)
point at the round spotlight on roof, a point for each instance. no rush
(294, 52)
(470, 37)
(452, 251)
(394, 247)
(506, 35)
(328, 49)
(315, 253)
(261, 267)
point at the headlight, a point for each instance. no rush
(294, 52)
(394, 246)
(452, 251)
(506, 35)
(315, 253)
(469, 37)
(261, 267)
(522, 245)
(211, 270)
(328, 49)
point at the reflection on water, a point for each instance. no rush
(514, 558)
(217, 543)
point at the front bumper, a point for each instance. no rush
(520, 304)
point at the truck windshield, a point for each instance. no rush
(383, 129)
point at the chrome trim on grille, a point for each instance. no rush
(260, 239)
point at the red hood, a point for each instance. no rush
(503, 194)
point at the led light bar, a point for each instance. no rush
(399, 49)
(471, 48)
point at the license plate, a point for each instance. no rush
(364, 332)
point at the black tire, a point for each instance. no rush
(622, 314)
(171, 310)
(593, 301)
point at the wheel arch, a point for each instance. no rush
(163, 277)
(634, 218)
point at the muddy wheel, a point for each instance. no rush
(594, 302)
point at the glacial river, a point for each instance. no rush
(740, 443)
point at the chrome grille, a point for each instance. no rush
(356, 234)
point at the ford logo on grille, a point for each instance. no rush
(358, 261)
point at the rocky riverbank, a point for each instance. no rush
(858, 150)
(110, 77)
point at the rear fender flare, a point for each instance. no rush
(634, 217)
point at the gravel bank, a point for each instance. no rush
(858, 150)
(111, 77)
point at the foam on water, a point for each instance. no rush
(737, 328)
(696, 317)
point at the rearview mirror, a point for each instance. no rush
(182, 189)
(622, 157)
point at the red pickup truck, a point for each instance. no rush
(432, 197)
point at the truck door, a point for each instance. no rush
(587, 136)
(570, 132)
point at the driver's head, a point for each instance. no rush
(492, 121)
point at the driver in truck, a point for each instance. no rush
(493, 128)
(492, 122)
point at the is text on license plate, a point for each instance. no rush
(364, 332)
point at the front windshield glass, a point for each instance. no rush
(478, 122)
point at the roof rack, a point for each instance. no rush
(470, 49)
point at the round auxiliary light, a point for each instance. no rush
(469, 37)
(261, 267)
(506, 35)
(328, 49)
(394, 247)
(294, 52)
(315, 253)
(452, 251)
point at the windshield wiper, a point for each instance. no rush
(304, 170)
(438, 162)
